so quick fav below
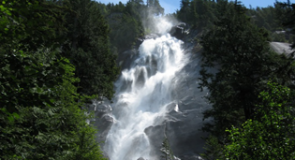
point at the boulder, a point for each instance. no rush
(125, 59)
(179, 31)
(103, 119)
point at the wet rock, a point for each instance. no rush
(141, 75)
(152, 36)
(125, 59)
(126, 85)
(172, 107)
(179, 31)
(103, 125)
(184, 134)
(102, 120)
(156, 136)
(102, 109)
(184, 118)
(138, 42)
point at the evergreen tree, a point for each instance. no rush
(184, 10)
(237, 49)
(285, 12)
(40, 117)
(165, 148)
(184, 13)
(125, 23)
(166, 151)
(237, 54)
(155, 7)
(88, 48)
(270, 134)
(198, 13)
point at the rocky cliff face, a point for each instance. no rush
(183, 120)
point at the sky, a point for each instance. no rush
(171, 6)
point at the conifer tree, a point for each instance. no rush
(270, 134)
(167, 154)
(40, 117)
(240, 62)
(89, 49)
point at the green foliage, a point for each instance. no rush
(29, 16)
(201, 14)
(184, 13)
(285, 13)
(87, 147)
(273, 19)
(130, 22)
(237, 65)
(264, 18)
(237, 62)
(238, 51)
(278, 37)
(40, 108)
(125, 34)
(125, 21)
(155, 7)
(198, 13)
(213, 148)
(166, 150)
(270, 134)
(87, 47)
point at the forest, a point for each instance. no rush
(59, 55)
(252, 88)
(55, 58)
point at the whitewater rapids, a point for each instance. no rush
(143, 93)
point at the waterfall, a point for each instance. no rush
(143, 93)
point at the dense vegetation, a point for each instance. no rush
(129, 22)
(202, 14)
(251, 88)
(270, 134)
(55, 57)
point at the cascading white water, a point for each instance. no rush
(142, 94)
